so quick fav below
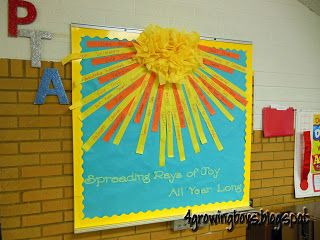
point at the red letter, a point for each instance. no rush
(14, 20)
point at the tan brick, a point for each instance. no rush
(262, 192)
(84, 236)
(166, 234)
(42, 219)
(257, 135)
(189, 232)
(67, 85)
(18, 135)
(285, 172)
(68, 216)
(8, 97)
(255, 184)
(20, 184)
(20, 209)
(143, 236)
(19, 83)
(194, 237)
(283, 155)
(273, 147)
(22, 233)
(67, 146)
(68, 192)
(256, 147)
(272, 139)
(210, 236)
(8, 122)
(265, 140)
(262, 156)
(237, 232)
(61, 237)
(54, 109)
(279, 139)
(8, 173)
(68, 169)
(66, 121)
(292, 138)
(289, 146)
(34, 147)
(56, 158)
(40, 171)
(262, 174)
(44, 65)
(57, 205)
(8, 148)
(4, 68)
(60, 68)
(271, 182)
(118, 232)
(288, 163)
(38, 121)
(26, 97)
(61, 181)
(272, 164)
(255, 166)
(55, 229)
(19, 160)
(31, 72)
(16, 68)
(43, 194)
(286, 139)
(288, 181)
(56, 133)
(67, 71)
(9, 198)
(10, 222)
(283, 190)
(18, 109)
(151, 227)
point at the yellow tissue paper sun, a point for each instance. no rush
(171, 54)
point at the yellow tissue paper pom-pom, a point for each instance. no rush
(171, 54)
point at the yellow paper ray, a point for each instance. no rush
(131, 111)
(220, 90)
(188, 118)
(168, 100)
(110, 119)
(207, 120)
(96, 54)
(223, 80)
(127, 81)
(221, 107)
(224, 62)
(107, 70)
(195, 113)
(163, 133)
(147, 118)
(177, 127)
(124, 79)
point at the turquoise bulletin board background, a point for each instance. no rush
(115, 186)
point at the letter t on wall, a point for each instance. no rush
(35, 42)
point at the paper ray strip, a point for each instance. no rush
(218, 66)
(220, 52)
(179, 106)
(147, 118)
(163, 132)
(131, 111)
(96, 54)
(110, 43)
(168, 101)
(157, 109)
(118, 73)
(188, 118)
(112, 58)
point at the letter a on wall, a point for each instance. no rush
(51, 74)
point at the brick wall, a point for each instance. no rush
(36, 198)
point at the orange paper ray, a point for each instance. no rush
(117, 123)
(117, 73)
(179, 106)
(220, 52)
(156, 118)
(122, 95)
(218, 66)
(109, 44)
(234, 94)
(202, 96)
(112, 58)
(145, 98)
(217, 94)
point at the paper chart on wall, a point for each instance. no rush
(148, 152)
(307, 168)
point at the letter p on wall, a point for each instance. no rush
(14, 20)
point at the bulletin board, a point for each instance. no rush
(148, 152)
(307, 162)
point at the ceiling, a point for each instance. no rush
(313, 5)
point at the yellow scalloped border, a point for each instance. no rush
(85, 224)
